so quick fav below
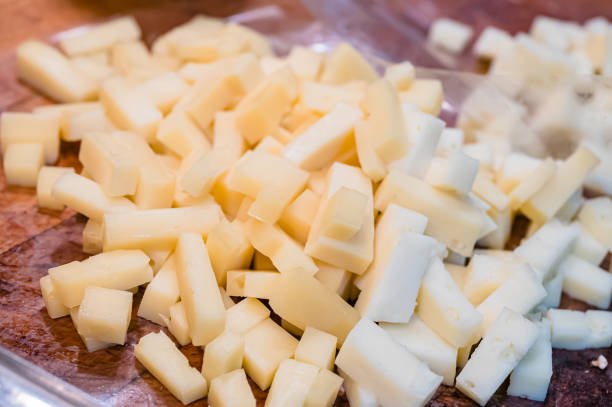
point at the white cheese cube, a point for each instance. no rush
(55, 307)
(256, 284)
(81, 194)
(553, 287)
(456, 173)
(596, 217)
(516, 168)
(428, 346)
(164, 90)
(532, 183)
(320, 98)
(500, 351)
(104, 314)
(244, 315)
(317, 348)
(298, 215)
(600, 324)
(395, 376)
(357, 395)
(22, 163)
(587, 247)
(569, 329)
(223, 355)
(503, 221)
(427, 94)
(161, 293)
(485, 189)
(450, 35)
(491, 43)
(586, 282)
(345, 64)
(450, 140)
(231, 390)
(571, 207)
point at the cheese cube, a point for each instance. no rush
(47, 176)
(157, 259)
(426, 94)
(180, 135)
(291, 384)
(450, 140)
(81, 194)
(458, 273)
(456, 173)
(229, 200)
(343, 215)
(244, 315)
(450, 35)
(119, 270)
(586, 282)
(66, 113)
(553, 288)
(569, 329)
(198, 289)
(157, 228)
(31, 128)
(484, 275)
(228, 249)
(395, 375)
(357, 395)
(104, 314)
(22, 162)
(161, 357)
(270, 145)
(451, 221)
(303, 301)
(600, 324)
(101, 36)
(532, 184)
(164, 90)
(324, 389)
(531, 377)
(231, 390)
(491, 43)
(444, 308)
(485, 189)
(92, 344)
(92, 237)
(298, 215)
(501, 350)
(345, 64)
(569, 176)
(516, 168)
(223, 355)
(55, 307)
(318, 98)
(83, 123)
(334, 278)
(178, 325)
(256, 284)
(51, 73)
(265, 347)
(305, 62)
(587, 247)
(596, 217)
(320, 143)
(371, 164)
(317, 348)
(161, 293)
(400, 75)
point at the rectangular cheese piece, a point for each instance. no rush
(90, 121)
(343, 216)
(456, 173)
(491, 43)
(55, 307)
(484, 275)
(317, 348)
(485, 189)
(223, 355)
(324, 390)
(596, 217)
(246, 283)
(357, 395)
(305, 62)
(303, 301)
(319, 98)
(530, 379)
(157, 228)
(600, 324)
(66, 113)
(178, 133)
(569, 329)
(569, 176)
(501, 350)
(335, 278)
(395, 376)
(161, 293)
(244, 315)
(291, 384)
(345, 64)
(450, 35)
(371, 164)
(425, 344)
(31, 128)
(534, 181)
(320, 143)
(198, 289)
(427, 94)
(104, 314)
(81, 194)
(444, 308)
(164, 90)
(178, 325)
(47, 176)
(101, 36)
(22, 162)
(231, 390)
(285, 253)
(356, 253)
(270, 145)
(92, 237)
(586, 282)
(553, 287)
(162, 358)
(452, 221)
(298, 215)
(587, 247)
(400, 75)
(229, 249)
(157, 258)
(48, 71)
(119, 270)
(265, 347)
(91, 344)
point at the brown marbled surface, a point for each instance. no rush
(31, 241)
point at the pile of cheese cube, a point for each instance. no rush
(213, 169)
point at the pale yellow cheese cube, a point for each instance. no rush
(305, 62)
(101, 36)
(345, 64)
(55, 307)
(92, 68)
(298, 215)
(132, 60)
(81, 194)
(104, 314)
(228, 249)
(161, 357)
(223, 355)
(178, 325)
(92, 237)
(270, 145)
(164, 90)
(119, 270)
(231, 390)
(304, 301)
(427, 94)
(365, 139)
(31, 128)
(48, 71)
(228, 199)
(161, 293)
(318, 98)
(257, 284)
(317, 348)
(198, 289)
(291, 384)
(22, 162)
(532, 184)
(334, 278)
(90, 121)
(157, 228)
(485, 189)
(244, 315)
(156, 185)
(324, 389)
(198, 26)
(47, 176)
(157, 258)
(92, 344)
(66, 112)
(265, 347)
(596, 217)
(400, 75)
(343, 216)
(180, 135)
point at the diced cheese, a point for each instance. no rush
(47, 176)
(345, 64)
(261, 261)
(231, 390)
(600, 324)
(456, 173)
(291, 384)
(31, 128)
(256, 284)
(486, 190)
(343, 215)
(324, 389)
(223, 355)
(92, 237)
(305, 62)
(161, 293)
(357, 395)
(67, 113)
(91, 344)
(596, 217)
(101, 36)
(317, 348)
(484, 275)
(587, 247)
(426, 94)
(532, 183)
(569, 329)
(180, 135)
(334, 278)
(178, 325)
(318, 98)
(104, 314)
(365, 139)
(81, 194)
(54, 305)
(244, 315)
(400, 75)
(586, 282)
(228, 249)
(298, 215)
(22, 162)
(450, 35)
(553, 289)
(491, 43)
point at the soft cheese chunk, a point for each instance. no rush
(179, 134)
(569, 329)
(586, 282)
(343, 216)
(396, 376)
(317, 348)
(305, 62)
(244, 315)
(231, 390)
(400, 75)
(81, 194)
(365, 140)
(22, 162)
(324, 389)
(500, 351)
(162, 358)
(198, 289)
(322, 99)
(357, 395)
(31, 128)
(491, 43)
(291, 384)
(104, 314)
(55, 307)
(346, 65)
(587, 247)
(47, 176)
(600, 324)
(596, 217)
(161, 293)
(256, 284)
(298, 215)
(223, 355)
(532, 183)
(450, 35)
(484, 275)
(456, 173)
(229, 249)
(92, 344)
(101, 36)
